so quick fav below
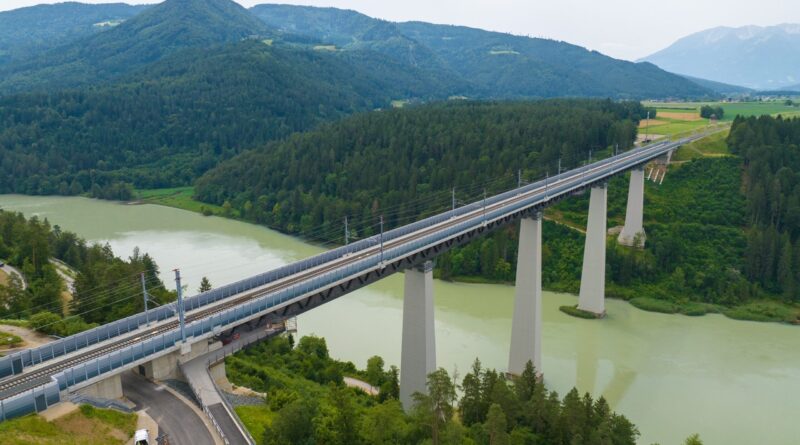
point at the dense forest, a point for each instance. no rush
(403, 164)
(27, 31)
(149, 36)
(770, 148)
(105, 287)
(495, 65)
(308, 403)
(172, 127)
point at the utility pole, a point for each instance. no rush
(180, 303)
(616, 149)
(381, 239)
(454, 199)
(144, 295)
(546, 181)
(647, 128)
(346, 233)
(519, 178)
(484, 206)
(559, 166)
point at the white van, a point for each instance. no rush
(141, 438)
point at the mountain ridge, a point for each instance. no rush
(756, 57)
(498, 65)
(147, 37)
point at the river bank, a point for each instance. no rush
(767, 310)
(670, 375)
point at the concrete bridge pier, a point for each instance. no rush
(633, 232)
(418, 356)
(593, 277)
(526, 324)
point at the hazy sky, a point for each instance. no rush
(620, 28)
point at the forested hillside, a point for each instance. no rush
(387, 162)
(770, 148)
(106, 287)
(496, 65)
(199, 107)
(707, 249)
(148, 37)
(27, 31)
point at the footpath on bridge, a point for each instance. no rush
(210, 396)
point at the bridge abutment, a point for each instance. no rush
(418, 355)
(633, 232)
(593, 277)
(110, 388)
(526, 325)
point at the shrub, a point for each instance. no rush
(575, 312)
(654, 305)
(45, 322)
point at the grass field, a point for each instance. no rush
(255, 418)
(179, 197)
(87, 426)
(9, 340)
(731, 109)
(18, 323)
(712, 146)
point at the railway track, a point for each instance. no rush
(40, 376)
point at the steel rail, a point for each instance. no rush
(576, 177)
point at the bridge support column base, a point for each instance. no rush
(593, 276)
(162, 368)
(633, 232)
(418, 356)
(110, 388)
(526, 324)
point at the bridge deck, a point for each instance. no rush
(299, 287)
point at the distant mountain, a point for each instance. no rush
(719, 87)
(26, 31)
(155, 33)
(495, 65)
(752, 56)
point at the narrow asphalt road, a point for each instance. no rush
(174, 418)
(13, 271)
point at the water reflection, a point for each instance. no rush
(733, 382)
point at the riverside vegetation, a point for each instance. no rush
(307, 403)
(699, 224)
(106, 287)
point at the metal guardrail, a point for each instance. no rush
(15, 363)
(116, 359)
(216, 357)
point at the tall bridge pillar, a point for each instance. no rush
(418, 357)
(593, 278)
(526, 325)
(633, 232)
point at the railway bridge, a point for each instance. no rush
(157, 342)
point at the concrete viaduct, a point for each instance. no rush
(161, 341)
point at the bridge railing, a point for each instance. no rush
(27, 401)
(14, 363)
(33, 400)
